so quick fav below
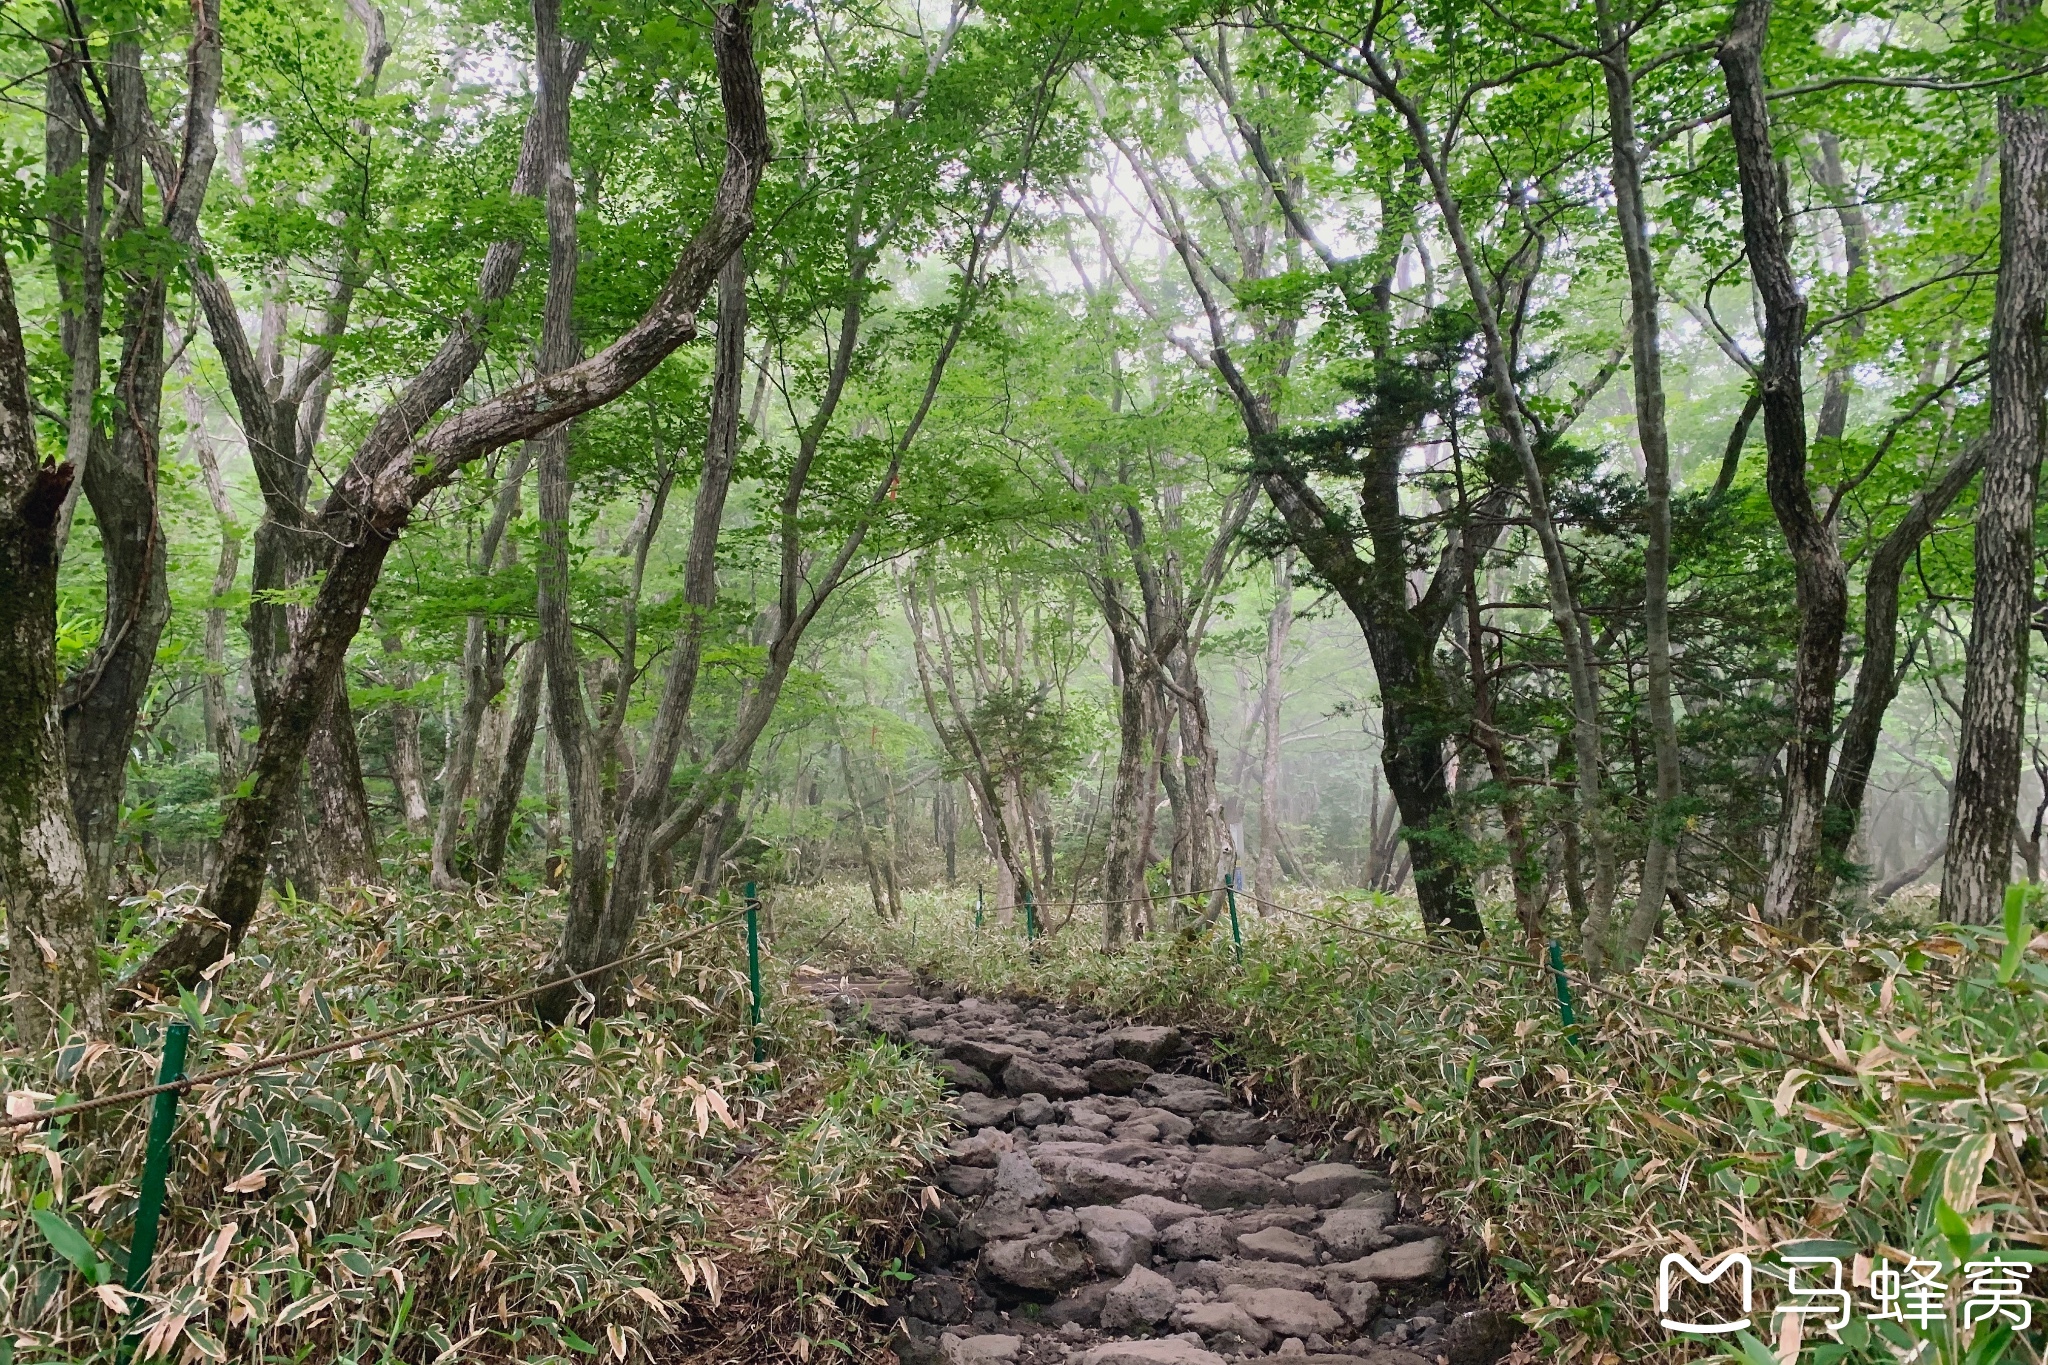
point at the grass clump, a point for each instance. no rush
(1578, 1166)
(634, 1189)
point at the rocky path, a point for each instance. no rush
(1110, 1205)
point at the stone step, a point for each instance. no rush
(1108, 1205)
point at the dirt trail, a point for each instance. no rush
(1111, 1205)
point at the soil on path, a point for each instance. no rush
(1108, 1204)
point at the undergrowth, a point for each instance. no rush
(1578, 1165)
(639, 1189)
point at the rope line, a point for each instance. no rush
(272, 1063)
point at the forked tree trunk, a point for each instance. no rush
(1415, 712)
(1987, 773)
(483, 677)
(1509, 415)
(103, 698)
(1791, 895)
(594, 931)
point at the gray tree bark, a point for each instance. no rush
(53, 943)
(1265, 877)
(1986, 790)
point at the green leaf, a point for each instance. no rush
(1964, 1171)
(72, 1245)
(1754, 1352)
(2015, 933)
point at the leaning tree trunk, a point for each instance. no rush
(1878, 674)
(1791, 895)
(54, 964)
(1509, 415)
(1986, 790)
(397, 465)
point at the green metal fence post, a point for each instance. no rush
(1030, 917)
(1565, 1013)
(156, 1157)
(977, 905)
(754, 968)
(1230, 894)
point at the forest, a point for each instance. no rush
(1478, 560)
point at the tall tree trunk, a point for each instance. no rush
(1123, 867)
(1820, 582)
(1987, 773)
(476, 696)
(568, 719)
(1173, 778)
(77, 249)
(53, 943)
(498, 807)
(891, 848)
(1645, 331)
(711, 848)
(1209, 851)
(1264, 877)
(408, 770)
(1524, 873)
